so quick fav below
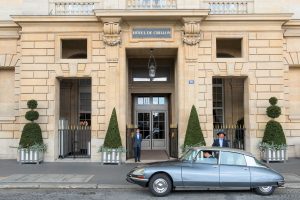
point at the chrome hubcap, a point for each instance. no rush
(160, 185)
(266, 188)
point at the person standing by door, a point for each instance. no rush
(221, 141)
(137, 144)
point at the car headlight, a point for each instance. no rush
(138, 172)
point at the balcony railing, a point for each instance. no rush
(72, 8)
(151, 4)
(230, 6)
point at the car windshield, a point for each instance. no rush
(188, 155)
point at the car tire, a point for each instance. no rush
(265, 190)
(160, 185)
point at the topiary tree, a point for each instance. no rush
(112, 137)
(193, 135)
(31, 133)
(274, 134)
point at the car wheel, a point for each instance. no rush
(160, 185)
(265, 190)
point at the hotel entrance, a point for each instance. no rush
(152, 119)
(152, 99)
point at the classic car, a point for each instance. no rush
(208, 168)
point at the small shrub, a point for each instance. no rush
(193, 134)
(273, 134)
(112, 137)
(31, 133)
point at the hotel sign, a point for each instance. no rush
(151, 33)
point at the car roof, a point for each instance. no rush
(224, 149)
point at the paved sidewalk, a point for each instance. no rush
(93, 175)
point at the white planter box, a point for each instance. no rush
(270, 155)
(30, 156)
(111, 156)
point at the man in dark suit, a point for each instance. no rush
(137, 144)
(221, 141)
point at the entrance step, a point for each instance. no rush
(148, 156)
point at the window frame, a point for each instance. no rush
(217, 152)
(244, 47)
(58, 48)
(222, 108)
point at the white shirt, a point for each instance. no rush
(221, 142)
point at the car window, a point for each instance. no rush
(230, 158)
(208, 157)
(189, 155)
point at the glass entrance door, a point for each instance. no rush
(153, 125)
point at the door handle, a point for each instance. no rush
(245, 168)
(215, 166)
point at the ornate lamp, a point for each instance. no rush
(151, 65)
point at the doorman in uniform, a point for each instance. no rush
(137, 144)
(221, 141)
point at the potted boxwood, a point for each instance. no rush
(111, 151)
(193, 135)
(31, 146)
(273, 146)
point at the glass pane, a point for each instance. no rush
(208, 157)
(147, 117)
(155, 100)
(140, 100)
(144, 124)
(146, 134)
(161, 100)
(161, 116)
(229, 158)
(146, 100)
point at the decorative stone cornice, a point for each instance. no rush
(9, 61)
(291, 58)
(191, 35)
(112, 30)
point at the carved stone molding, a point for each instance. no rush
(9, 60)
(112, 30)
(292, 58)
(191, 32)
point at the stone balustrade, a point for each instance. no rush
(72, 8)
(151, 4)
(230, 6)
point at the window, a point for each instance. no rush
(208, 157)
(7, 93)
(294, 92)
(230, 158)
(85, 99)
(218, 102)
(143, 100)
(159, 100)
(74, 48)
(229, 47)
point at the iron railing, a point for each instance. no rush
(72, 8)
(173, 142)
(129, 142)
(230, 6)
(151, 4)
(235, 135)
(75, 142)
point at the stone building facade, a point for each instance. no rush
(81, 59)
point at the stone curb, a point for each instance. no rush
(91, 186)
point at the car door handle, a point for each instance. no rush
(215, 166)
(245, 168)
